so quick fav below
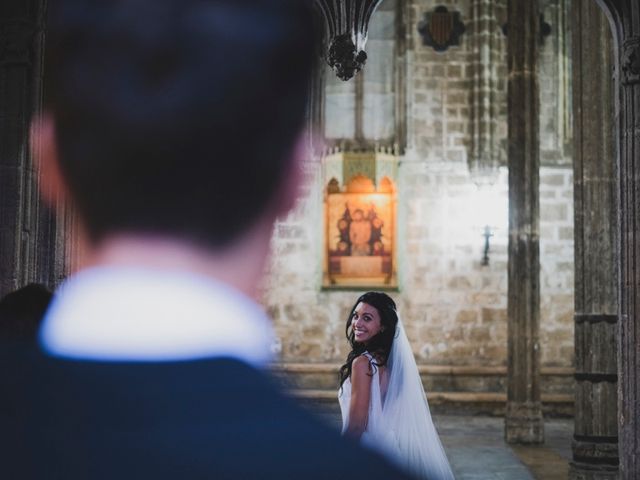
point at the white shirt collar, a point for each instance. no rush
(135, 314)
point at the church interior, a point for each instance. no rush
(478, 161)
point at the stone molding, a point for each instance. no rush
(470, 370)
(437, 398)
(595, 318)
(630, 61)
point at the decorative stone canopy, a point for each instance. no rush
(379, 166)
(346, 25)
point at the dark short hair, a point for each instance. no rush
(177, 116)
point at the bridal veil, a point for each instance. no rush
(406, 416)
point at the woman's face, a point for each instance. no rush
(365, 322)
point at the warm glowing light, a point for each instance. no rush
(360, 237)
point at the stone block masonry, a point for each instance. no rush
(454, 308)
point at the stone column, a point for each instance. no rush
(402, 26)
(629, 192)
(523, 421)
(624, 16)
(315, 104)
(484, 151)
(595, 441)
(27, 231)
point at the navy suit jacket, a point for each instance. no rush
(210, 418)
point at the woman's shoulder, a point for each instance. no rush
(362, 363)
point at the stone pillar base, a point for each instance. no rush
(582, 471)
(594, 458)
(524, 423)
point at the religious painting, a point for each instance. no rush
(360, 237)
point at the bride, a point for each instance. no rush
(382, 400)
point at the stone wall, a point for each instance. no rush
(454, 308)
(557, 272)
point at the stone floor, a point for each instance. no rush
(477, 450)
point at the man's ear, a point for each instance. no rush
(45, 154)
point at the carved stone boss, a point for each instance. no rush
(346, 26)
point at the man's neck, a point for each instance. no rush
(240, 265)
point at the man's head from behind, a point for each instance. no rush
(177, 117)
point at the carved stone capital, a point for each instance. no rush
(630, 61)
(344, 57)
(16, 42)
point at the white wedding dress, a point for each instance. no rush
(399, 424)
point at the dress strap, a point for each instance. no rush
(372, 361)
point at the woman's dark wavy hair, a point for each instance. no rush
(380, 345)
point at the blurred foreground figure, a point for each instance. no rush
(174, 127)
(21, 313)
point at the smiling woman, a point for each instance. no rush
(381, 397)
(370, 329)
(365, 322)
